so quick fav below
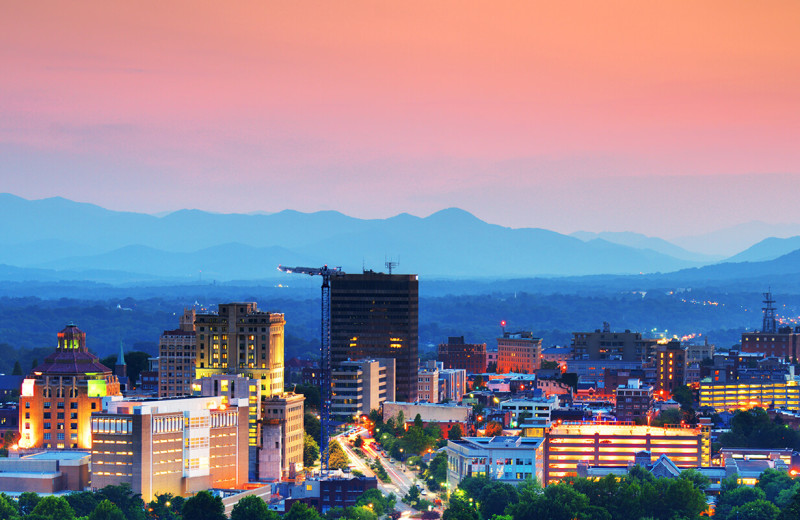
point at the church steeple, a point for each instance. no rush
(120, 368)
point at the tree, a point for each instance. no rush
(418, 421)
(699, 480)
(17, 371)
(204, 506)
(310, 450)
(337, 458)
(493, 429)
(7, 509)
(436, 474)
(684, 396)
(495, 497)
(124, 498)
(312, 425)
(106, 510)
(53, 508)
(455, 432)
(755, 510)
(27, 502)
(312, 395)
(82, 502)
(460, 509)
(165, 507)
(380, 504)
(301, 511)
(791, 511)
(252, 508)
(736, 498)
(773, 481)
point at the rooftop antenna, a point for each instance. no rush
(391, 265)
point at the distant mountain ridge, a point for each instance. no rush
(640, 241)
(60, 235)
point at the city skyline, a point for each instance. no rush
(527, 116)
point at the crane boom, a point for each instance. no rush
(326, 389)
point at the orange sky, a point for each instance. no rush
(373, 108)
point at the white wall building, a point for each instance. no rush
(506, 459)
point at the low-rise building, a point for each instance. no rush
(534, 415)
(429, 412)
(506, 459)
(173, 445)
(45, 472)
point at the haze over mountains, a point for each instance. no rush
(60, 239)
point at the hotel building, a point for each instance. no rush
(59, 396)
(178, 445)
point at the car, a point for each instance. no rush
(391, 461)
(346, 470)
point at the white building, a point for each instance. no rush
(537, 413)
(506, 459)
(361, 386)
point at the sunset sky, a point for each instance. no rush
(667, 118)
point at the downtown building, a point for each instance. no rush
(177, 352)
(240, 339)
(605, 345)
(374, 316)
(359, 387)
(519, 352)
(455, 354)
(175, 445)
(59, 395)
(610, 444)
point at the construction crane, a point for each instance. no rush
(325, 353)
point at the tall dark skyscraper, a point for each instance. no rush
(376, 315)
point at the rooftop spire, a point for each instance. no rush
(121, 357)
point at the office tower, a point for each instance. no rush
(360, 387)
(240, 339)
(234, 387)
(285, 411)
(179, 446)
(671, 366)
(59, 396)
(519, 352)
(457, 354)
(177, 351)
(602, 345)
(376, 315)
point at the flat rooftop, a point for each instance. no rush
(58, 455)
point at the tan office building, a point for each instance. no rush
(179, 446)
